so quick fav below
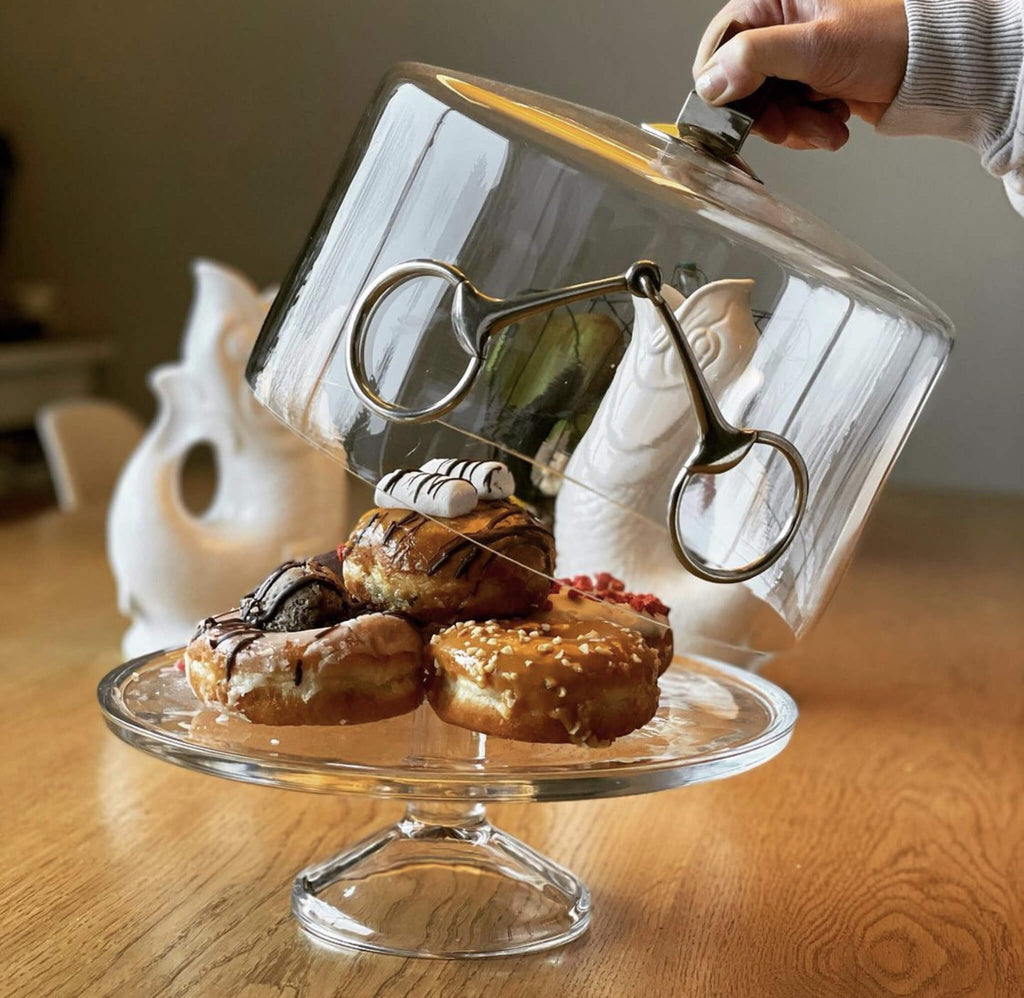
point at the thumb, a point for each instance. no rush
(744, 62)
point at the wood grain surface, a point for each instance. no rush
(881, 854)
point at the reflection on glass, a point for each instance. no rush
(797, 331)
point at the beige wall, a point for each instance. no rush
(153, 132)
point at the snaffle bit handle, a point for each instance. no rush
(476, 317)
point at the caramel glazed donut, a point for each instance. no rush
(495, 560)
(294, 654)
(565, 680)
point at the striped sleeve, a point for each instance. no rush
(964, 81)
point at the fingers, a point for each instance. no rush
(734, 17)
(805, 126)
(746, 43)
(839, 108)
(744, 62)
(870, 111)
(722, 23)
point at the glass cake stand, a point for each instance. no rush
(443, 882)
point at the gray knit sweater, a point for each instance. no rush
(965, 81)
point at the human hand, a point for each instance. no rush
(844, 56)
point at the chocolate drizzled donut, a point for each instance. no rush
(298, 595)
(490, 562)
(231, 629)
(362, 669)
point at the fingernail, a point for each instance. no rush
(711, 84)
(839, 108)
(820, 141)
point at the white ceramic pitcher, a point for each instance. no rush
(275, 496)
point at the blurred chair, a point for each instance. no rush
(86, 443)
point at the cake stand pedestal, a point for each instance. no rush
(442, 881)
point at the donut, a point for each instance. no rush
(362, 669)
(604, 597)
(298, 595)
(294, 653)
(583, 681)
(494, 561)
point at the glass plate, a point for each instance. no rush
(713, 721)
(443, 882)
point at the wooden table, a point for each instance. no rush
(881, 854)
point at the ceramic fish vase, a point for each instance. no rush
(275, 497)
(639, 435)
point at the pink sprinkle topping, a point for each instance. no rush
(180, 665)
(604, 586)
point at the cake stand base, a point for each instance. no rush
(442, 883)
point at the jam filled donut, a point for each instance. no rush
(437, 572)
(583, 681)
(290, 656)
(604, 597)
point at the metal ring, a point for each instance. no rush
(694, 563)
(355, 333)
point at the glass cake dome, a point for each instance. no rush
(435, 312)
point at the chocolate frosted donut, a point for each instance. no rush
(402, 561)
(298, 595)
